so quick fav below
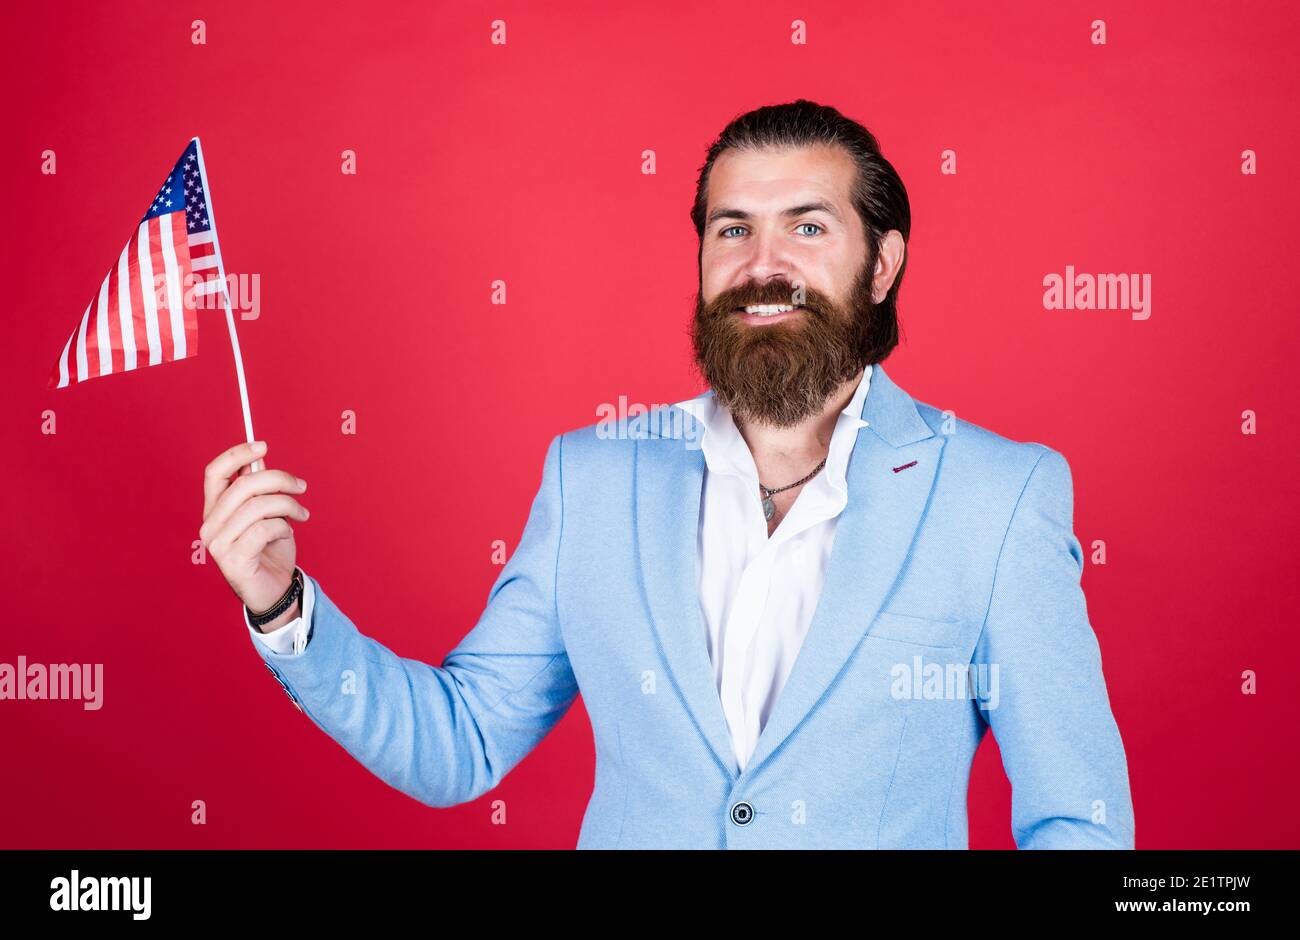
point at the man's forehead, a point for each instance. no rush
(778, 176)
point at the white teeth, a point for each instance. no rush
(766, 310)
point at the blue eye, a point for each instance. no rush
(741, 228)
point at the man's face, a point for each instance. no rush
(781, 229)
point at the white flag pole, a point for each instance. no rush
(225, 297)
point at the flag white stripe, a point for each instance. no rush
(212, 286)
(102, 339)
(124, 314)
(173, 286)
(202, 264)
(83, 368)
(63, 362)
(147, 291)
(200, 238)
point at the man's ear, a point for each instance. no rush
(888, 261)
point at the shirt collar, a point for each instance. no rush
(725, 450)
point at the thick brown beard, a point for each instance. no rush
(781, 373)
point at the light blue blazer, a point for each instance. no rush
(952, 605)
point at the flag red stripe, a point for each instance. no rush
(160, 291)
(92, 339)
(205, 249)
(137, 302)
(117, 360)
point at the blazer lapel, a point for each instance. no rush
(872, 539)
(669, 478)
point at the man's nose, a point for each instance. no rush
(767, 260)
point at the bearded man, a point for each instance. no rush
(793, 616)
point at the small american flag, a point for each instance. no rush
(144, 313)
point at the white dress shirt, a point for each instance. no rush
(757, 593)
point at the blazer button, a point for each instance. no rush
(742, 814)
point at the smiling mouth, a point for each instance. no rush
(767, 310)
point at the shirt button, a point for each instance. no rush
(742, 814)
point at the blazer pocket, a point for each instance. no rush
(919, 630)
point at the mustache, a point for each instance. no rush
(770, 292)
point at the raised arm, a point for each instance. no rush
(447, 734)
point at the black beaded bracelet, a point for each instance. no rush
(280, 606)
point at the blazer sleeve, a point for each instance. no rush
(1051, 716)
(447, 734)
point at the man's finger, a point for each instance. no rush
(217, 474)
(248, 513)
(257, 536)
(241, 492)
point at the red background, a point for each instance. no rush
(522, 162)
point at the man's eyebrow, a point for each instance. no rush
(725, 212)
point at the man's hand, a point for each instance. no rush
(245, 527)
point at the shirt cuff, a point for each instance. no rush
(290, 639)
